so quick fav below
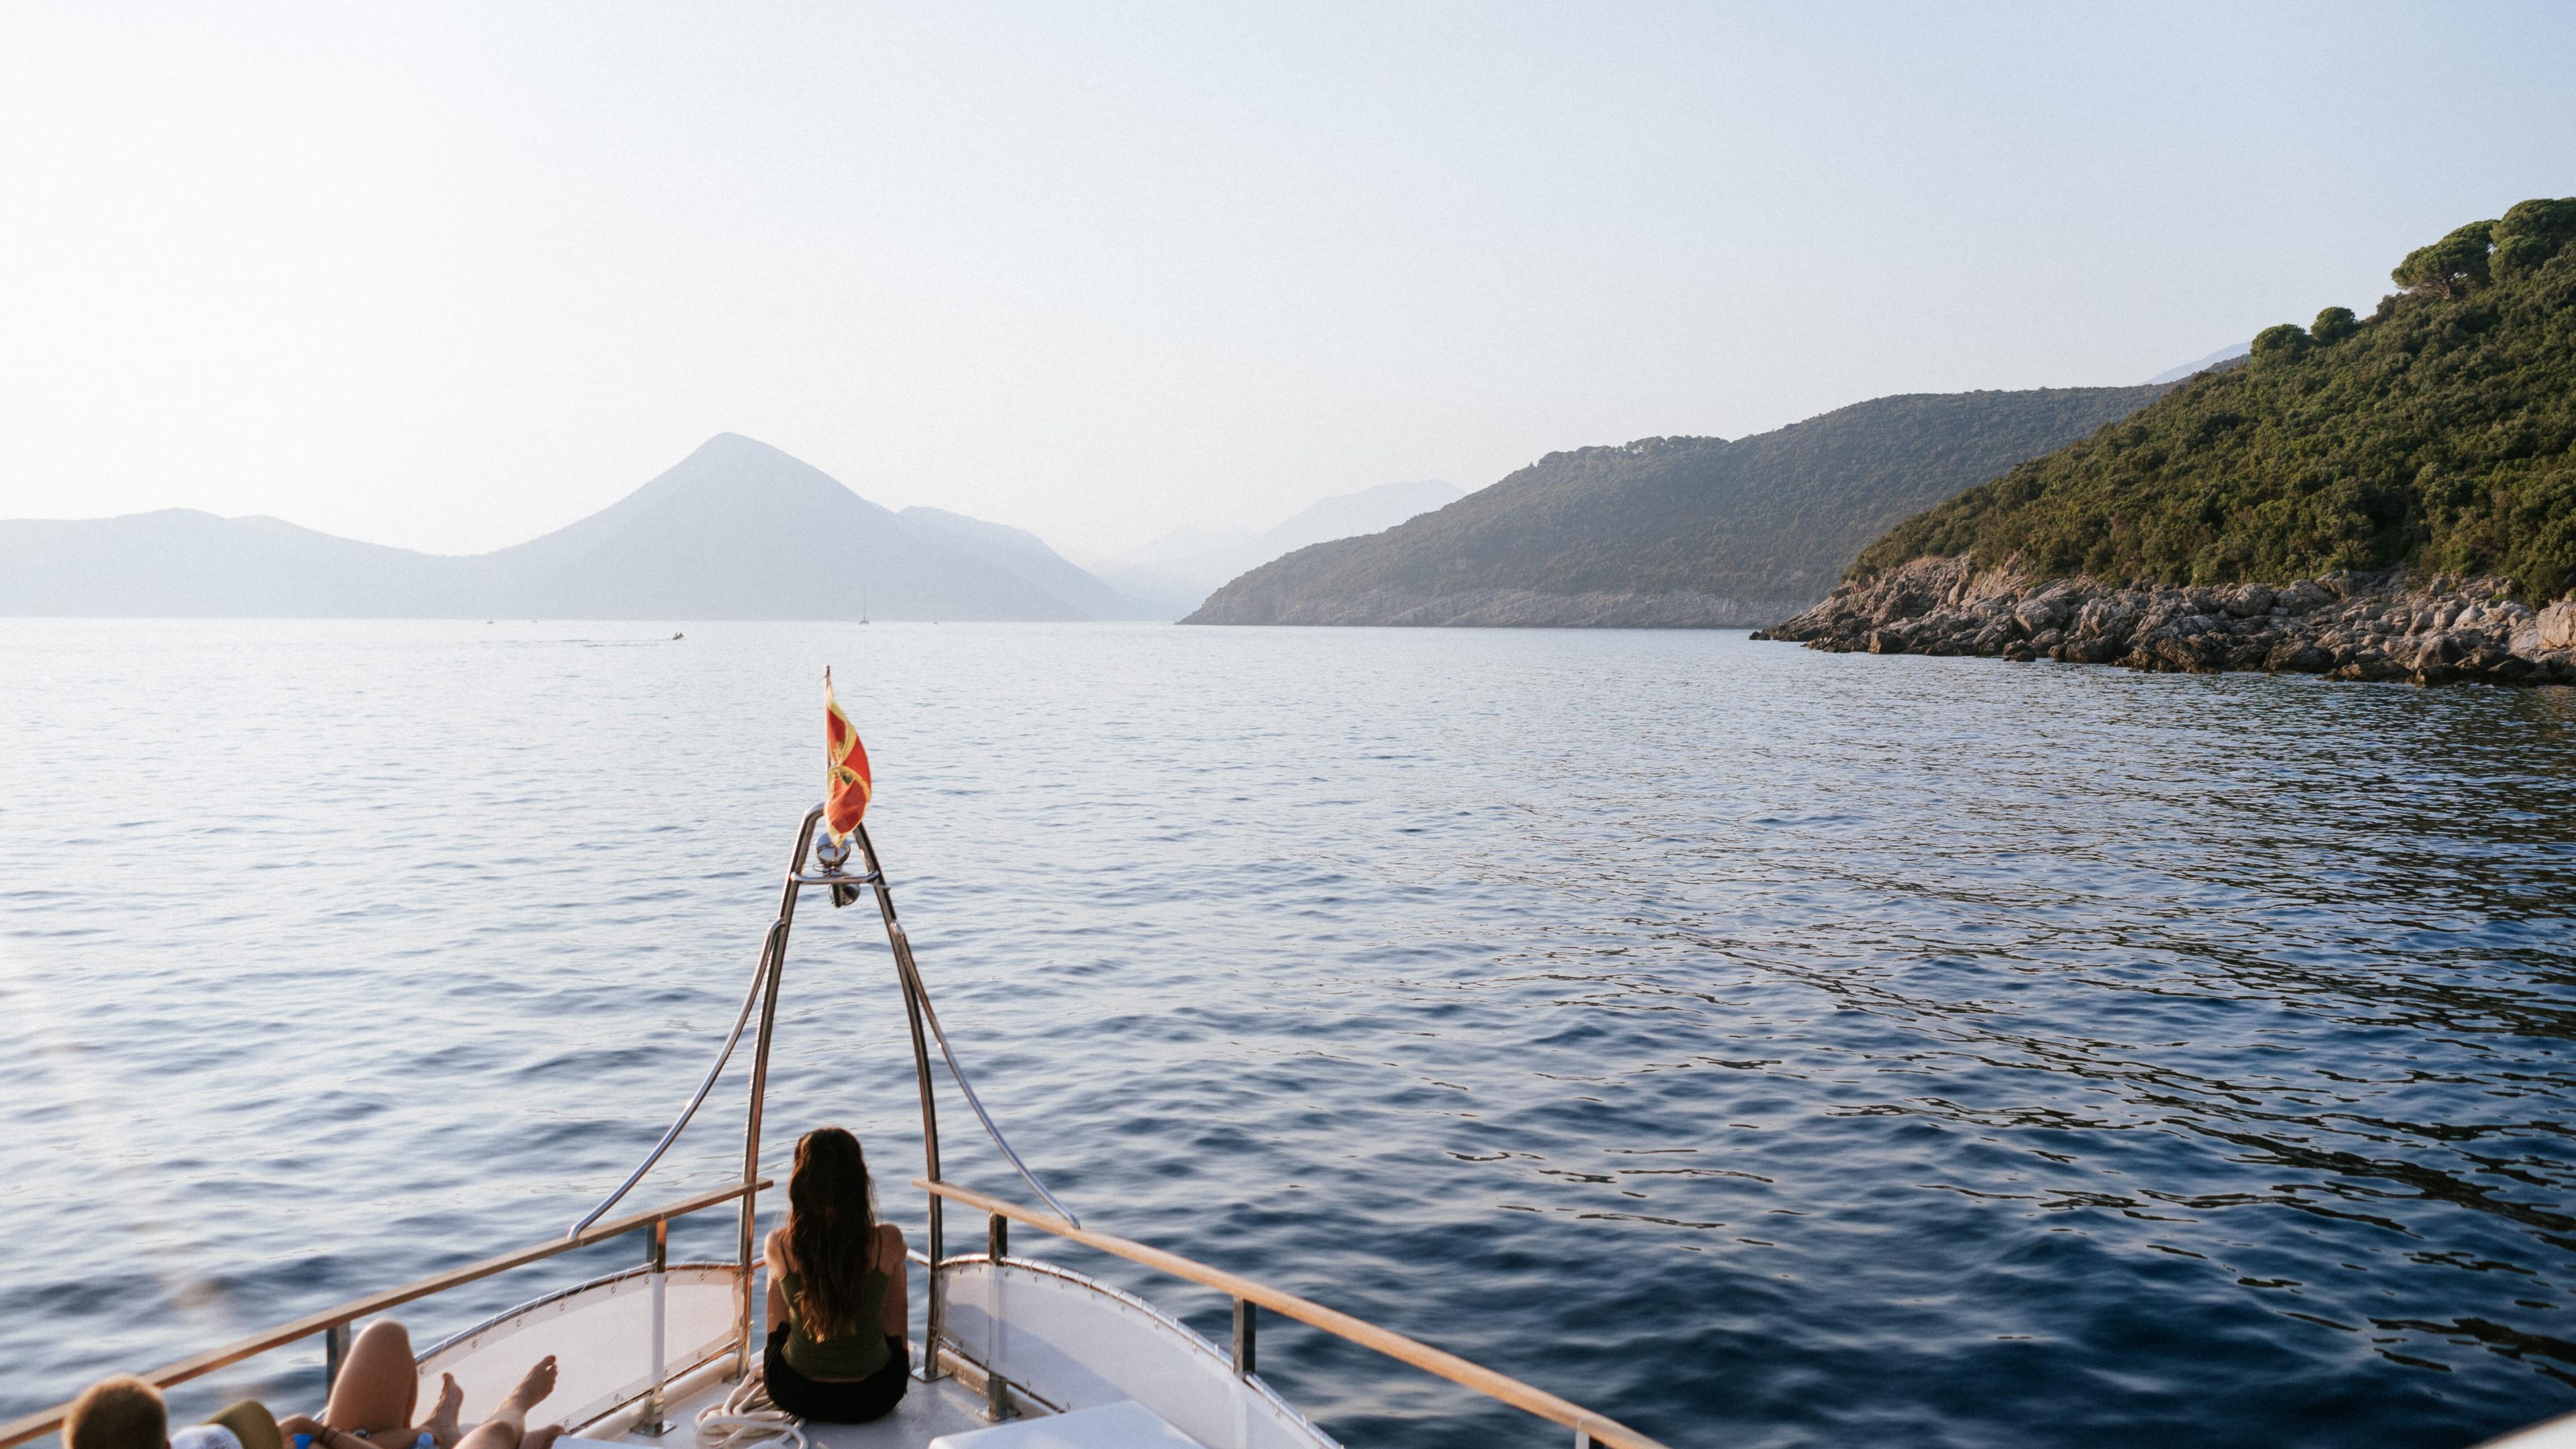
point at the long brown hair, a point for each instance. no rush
(830, 1232)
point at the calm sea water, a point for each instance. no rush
(1764, 1047)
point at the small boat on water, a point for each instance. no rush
(1011, 1352)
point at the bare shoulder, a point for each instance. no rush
(889, 1244)
(775, 1245)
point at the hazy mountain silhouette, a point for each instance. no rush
(1025, 556)
(740, 530)
(1179, 570)
(179, 562)
(2231, 354)
(736, 530)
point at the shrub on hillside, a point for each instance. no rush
(2278, 344)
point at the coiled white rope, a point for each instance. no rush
(748, 1420)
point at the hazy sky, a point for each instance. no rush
(452, 276)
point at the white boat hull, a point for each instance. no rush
(1062, 1341)
(1078, 1343)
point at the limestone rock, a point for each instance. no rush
(2385, 626)
(2556, 625)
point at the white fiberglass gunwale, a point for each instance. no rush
(1052, 1340)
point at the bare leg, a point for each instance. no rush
(378, 1386)
(441, 1425)
(509, 1422)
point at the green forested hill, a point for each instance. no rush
(1764, 520)
(2439, 432)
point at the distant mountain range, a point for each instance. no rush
(737, 530)
(1025, 556)
(1179, 570)
(2215, 361)
(1687, 532)
(1673, 532)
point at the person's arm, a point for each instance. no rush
(897, 1304)
(774, 1251)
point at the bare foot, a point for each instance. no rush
(444, 1429)
(532, 1390)
(541, 1438)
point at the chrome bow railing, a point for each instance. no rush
(831, 857)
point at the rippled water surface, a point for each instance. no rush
(1763, 1047)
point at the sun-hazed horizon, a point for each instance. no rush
(451, 278)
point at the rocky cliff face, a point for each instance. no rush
(2435, 630)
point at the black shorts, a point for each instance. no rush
(845, 1401)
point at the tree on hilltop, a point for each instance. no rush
(2449, 267)
(2530, 234)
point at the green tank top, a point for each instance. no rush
(853, 1355)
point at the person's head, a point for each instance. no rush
(831, 1177)
(119, 1413)
(830, 1223)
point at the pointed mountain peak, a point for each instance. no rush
(736, 443)
(735, 468)
(735, 451)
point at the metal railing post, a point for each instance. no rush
(997, 1244)
(775, 951)
(1244, 1309)
(657, 1257)
(934, 1314)
(335, 1352)
(747, 1248)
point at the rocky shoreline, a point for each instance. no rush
(2437, 630)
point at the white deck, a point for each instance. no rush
(945, 1416)
(1065, 1345)
(927, 1412)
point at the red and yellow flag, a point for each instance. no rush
(846, 781)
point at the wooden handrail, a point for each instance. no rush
(46, 1421)
(1305, 1310)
